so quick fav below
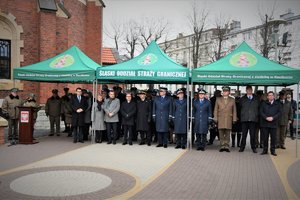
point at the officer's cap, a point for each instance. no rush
(14, 90)
(201, 91)
(226, 88)
(163, 89)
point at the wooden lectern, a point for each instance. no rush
(26, 125)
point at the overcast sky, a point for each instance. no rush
(176, 11)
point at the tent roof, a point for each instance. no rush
(245, 66)
(152, 65)
(71, 65)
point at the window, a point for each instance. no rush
(5, 59)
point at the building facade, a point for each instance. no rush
(35, 30)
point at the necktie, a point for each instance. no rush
(79, 98)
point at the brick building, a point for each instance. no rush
(35, 30)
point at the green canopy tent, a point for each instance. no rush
(70, 66)
(245, 66)
(151, 66)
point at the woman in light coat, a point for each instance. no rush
(98, 118)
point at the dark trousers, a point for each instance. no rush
(86, 131)
(251, 127)
(127, 133)
(146, 135)
(181, 139)
(214, 132)
(201, 140)
(111, 128)
(292, 129)
(98, 137)
(162, 137)
(266, 132)
(54, 120)
(77, 133)
(13, 129)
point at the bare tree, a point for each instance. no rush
(116, 33)
(131, 38)
(152, 29)
(197, 21)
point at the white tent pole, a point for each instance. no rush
(191, 119)
(297, 120)
(188, 111)
(93, 112)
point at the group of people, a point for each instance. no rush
(113, 114)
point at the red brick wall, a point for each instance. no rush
(46, 35)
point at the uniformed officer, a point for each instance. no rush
(143, 118)
(225, 115)
(180, 119)
(53, 111)
(202, 114)
(162, 115)
(10, 108)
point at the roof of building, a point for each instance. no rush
(108, 56)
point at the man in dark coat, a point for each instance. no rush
(284, 120)
(143, 118)
(202, 114)
(180, 119)
(162, 115)
(79, 105)
(270, 112)
(249, 104)
(128, 111)
(213, 132)
(53, 110)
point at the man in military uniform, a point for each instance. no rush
(180, 119)
(202, 113)
(225, 116)
(53, 110)
(162, 115)
(284, 120)
(10, 108)
(143, 118)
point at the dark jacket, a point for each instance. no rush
(162, 113)
(201, 114)
(78, 118)
(143, 117)
(249, 109)
(180, 116)
(269, 110)
(53, 106)
(128, 111)
(286, 113)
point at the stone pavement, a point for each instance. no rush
(56, 168)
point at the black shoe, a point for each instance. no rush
(293, 138)
(57, 134)
(202, 149)
(199, 148)
(274, 154)
(124, 143)
(221, 150)
(227, 150)
(109, 142)
(81, 141)
(209, 143)
(183, 147)
(51, 134)
(74, 141)
(241, 150)
(114, 142)
(264, 152)
(142, 143)
(254, 150)
(165, 146)
(282, 147)
(177, 147)
(130, 143)
(149, 144)
(65, 131)
(159, 145)
(70, 135)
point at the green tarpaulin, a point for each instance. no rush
(245, 66)
(152, 65)
(70, 66)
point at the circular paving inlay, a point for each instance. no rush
(60, 183)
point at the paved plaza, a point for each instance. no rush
(55, 168)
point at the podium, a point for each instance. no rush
(26, 125)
